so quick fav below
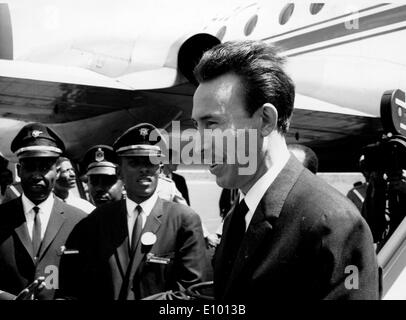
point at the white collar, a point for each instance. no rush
(146, 206)
(45, 206)
(257, 191)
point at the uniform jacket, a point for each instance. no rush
(17, 266)
(107, 269)
(305, 241)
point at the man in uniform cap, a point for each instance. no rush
(142, 245)
(35, 226)
(101, 164)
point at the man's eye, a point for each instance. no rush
(45, 167)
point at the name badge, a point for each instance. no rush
(151, 258)
(71, 252)
(63, 251)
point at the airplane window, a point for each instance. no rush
(286, 13)
(316, 7)
(221, 33)
(250, 25)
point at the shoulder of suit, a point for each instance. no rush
(178, 208)
(108, 210)
(319, 201)
(71, 211)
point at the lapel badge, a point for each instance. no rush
(61, 250)
(99, 156)
(148, 239)
(36, 133)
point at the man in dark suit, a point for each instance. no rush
(101, 165)
(35, 226)
(139, 246)
(290, 236)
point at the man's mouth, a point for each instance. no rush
(102, 196)
(102, 199)
(145, 180)
(37, 186)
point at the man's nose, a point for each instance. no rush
(145, 169)
(36, 175)
(99, 188)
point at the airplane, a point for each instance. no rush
(92, 69)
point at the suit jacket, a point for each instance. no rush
(181, 185)
(107, 270)
(305, 241)
(17, 266)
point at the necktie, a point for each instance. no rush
(137, 229)
(36, 233)
(237, 229)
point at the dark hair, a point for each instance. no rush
(260, 67)
(310, 161)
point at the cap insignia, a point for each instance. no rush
(99, 156)
(144, 132)
(36, 133)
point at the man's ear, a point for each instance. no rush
(269, 116)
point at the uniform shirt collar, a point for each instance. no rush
(146, 206)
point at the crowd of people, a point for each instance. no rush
(286, 234)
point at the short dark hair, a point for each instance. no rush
(260, 67)
(311, 161)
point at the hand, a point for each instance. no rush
(32, 290)
(212, 240)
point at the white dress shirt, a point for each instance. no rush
(257, 191)
(146, 206)
(44, 213)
